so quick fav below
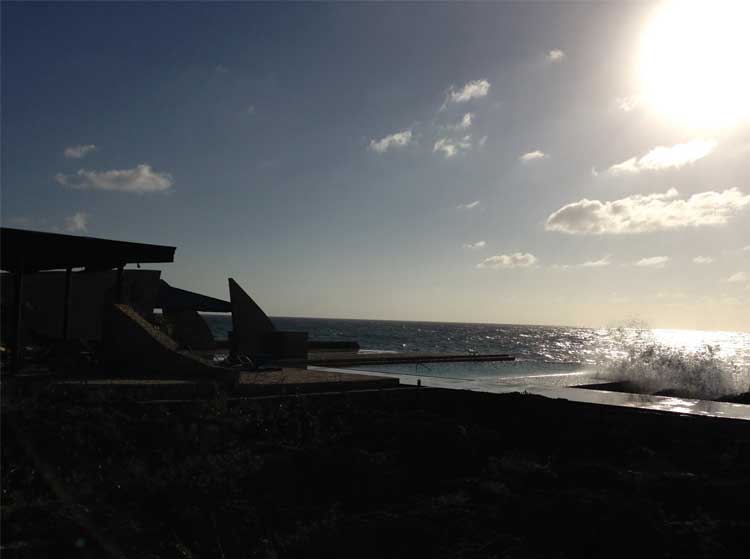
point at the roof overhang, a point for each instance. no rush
(32, 251)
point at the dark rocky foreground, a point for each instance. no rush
(398, 473)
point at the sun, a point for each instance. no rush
(694, 63)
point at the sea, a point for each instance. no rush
(706, 363)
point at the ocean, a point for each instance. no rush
(712, 362)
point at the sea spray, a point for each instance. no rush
(654, 367)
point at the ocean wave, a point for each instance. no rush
(656, 368)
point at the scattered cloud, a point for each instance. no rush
(628, 104)
(250, 110)
(739, 277)
(556, 55)
(533, 156)
(466, 121)
(76, 223)
(397, 139)
(140, 179)
(653, 262)
(472, 90)
(702, 260)
(647, 213)
(662, 157)
(475, 246)
(451, 147)
(482, 141)
(221, 69)
(601, 263)
(78, 152)
(515, 260)
(606, 261)
(468, 206)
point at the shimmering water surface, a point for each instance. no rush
(539, 350)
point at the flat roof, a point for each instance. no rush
(32, 251)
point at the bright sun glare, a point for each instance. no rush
(695, 62)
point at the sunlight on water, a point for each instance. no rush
(702, 364)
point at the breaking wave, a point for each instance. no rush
(656, 368)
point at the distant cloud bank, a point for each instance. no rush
(647, 213)
(395, 140)
(665, 157)
(140, 179)
(702, 260)
(78, 152)
(505, 261)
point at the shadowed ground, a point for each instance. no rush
(398, 473)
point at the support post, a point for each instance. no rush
(66, 308)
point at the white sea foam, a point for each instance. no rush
(703, 371)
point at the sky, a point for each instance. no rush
(537, 163)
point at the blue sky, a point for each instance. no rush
(487, 163)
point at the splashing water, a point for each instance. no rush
(696, 371)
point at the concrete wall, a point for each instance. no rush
(44, 300)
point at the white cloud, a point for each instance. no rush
(601, 263)
(397, 139)
(466, 121)
(472, 90)
(77, 152)
(662, 157)
(653, 262)
(533, 156)
(76, 223)
(606, 261)
(475, 246)
(647, 213)
(515, 260)
(628, 104)
(702, 260)
(451, 147)
(556, 55)
(468, 206)
(746, 249)
(739, 277)
(141, 178)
